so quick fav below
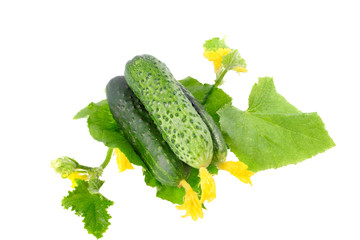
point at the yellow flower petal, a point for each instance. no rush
(223, 51)
(240, 69)
(216, 56)
(76, 175)
(122, 161)
(238, 169)
(208, 187)
(191, 203)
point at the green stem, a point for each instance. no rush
(102, 166)
(84, 167)
(208, 95)
(74, 161)
(219, 80)
(78, 165)
(107, 159)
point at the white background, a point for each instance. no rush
(57, 56)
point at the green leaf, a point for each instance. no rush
(103, 128)
(95, 185)
(212, 168)
(216, 100)
(264, 99)
(272, 133)
(92, 207)
(149, 179)
(198, 90)
(171, 194)
(212, 98)
(214, 43)
(85, 112)
(233, 60)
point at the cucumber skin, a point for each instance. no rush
(220, 148)
(143, 134)
(177, 120)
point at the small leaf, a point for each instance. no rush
(214, 44)
(85, 112)
(233, 60)
(91, 206)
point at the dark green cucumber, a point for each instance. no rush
(142, 133)
(179, 123)
(220, 149)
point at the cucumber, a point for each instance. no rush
(177, 120)
(220, 148)
(143, 134)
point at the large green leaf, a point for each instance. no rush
(272, 133)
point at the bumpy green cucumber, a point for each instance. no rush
(143, 134)
(179, 123)
(220, 149)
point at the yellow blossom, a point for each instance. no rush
(208, 187)
(122, 161)
(216, 56)
(191, 203)
(238, 169)
(240, 69)
(77, 175)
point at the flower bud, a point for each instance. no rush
(64, 166)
